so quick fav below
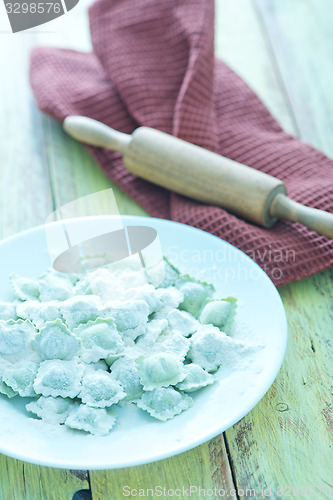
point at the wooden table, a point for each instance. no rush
(283, 49)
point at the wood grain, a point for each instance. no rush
(25, 201)
(285, 439)
(25, 195)
(206, 466)
(23, 481)
(241, 42)
(74, 173)
(300, 36)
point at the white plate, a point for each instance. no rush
(137, 437)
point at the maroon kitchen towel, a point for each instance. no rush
(153, 64)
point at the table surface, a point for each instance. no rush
(283, 49)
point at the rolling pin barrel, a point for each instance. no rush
(201, 174)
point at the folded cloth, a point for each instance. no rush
(153, 64)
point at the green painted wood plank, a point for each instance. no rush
(74, 173)
(286, 439)
(23, 481)
(242, 22)
(241, 43)
(25, 201)
(206, 466)
(25, 196)
(270, 447)
(301, 37)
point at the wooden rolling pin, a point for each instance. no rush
(200, 174)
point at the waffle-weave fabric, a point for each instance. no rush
(153, 64)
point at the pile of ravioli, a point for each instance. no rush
(81, 345)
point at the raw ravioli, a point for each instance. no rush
(15, 339)
(24, 288)
(7, 311)
(98, 365)
(84, 343)
(196, 378)
(39, 312)
(97, 282)
(99, 340)
(183, 322)
(153, 330)
(164, 403)
(20, 377)
(207, 349)
(108, 284)
(171, 274)
(81, 309)
(4, 388)
(126, 372)
(219, 313)
(54, 286)
(97, 421)
(100, 389)
(52, 410)
(128, 314)
(59, 378)
(171, 298)
(55, 341)
(173, 343)
(160, 370)
(195, 293)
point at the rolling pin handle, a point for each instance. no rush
(96, 133)
(317, 220)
